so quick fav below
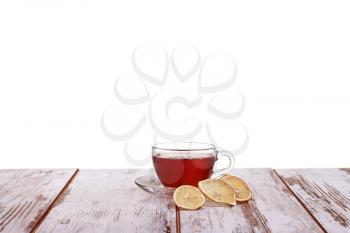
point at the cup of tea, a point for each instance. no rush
(187, 163)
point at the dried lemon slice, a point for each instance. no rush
(218, 190)
(242, 189)
(188, 197)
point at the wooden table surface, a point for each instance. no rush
(72, 200)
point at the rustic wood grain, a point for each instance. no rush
(273, 208)
(109, 201)
(25, 196)
(325, 193)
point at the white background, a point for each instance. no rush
(59, 61)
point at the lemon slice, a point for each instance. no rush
(242, 189)
(218, 190)
(188, 197)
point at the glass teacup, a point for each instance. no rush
(187, 163)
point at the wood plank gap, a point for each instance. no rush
(54, 201)
(300, 201)
(178, 222)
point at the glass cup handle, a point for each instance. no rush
(224, 153)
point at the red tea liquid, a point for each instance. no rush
(177, 171)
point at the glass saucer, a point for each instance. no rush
(151, 184)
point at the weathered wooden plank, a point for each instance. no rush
(273, 208)
(325, 193)
(109, 201)
(25, 196)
